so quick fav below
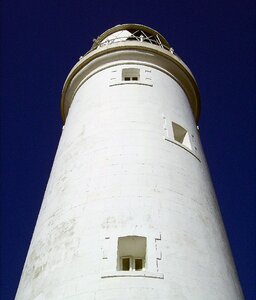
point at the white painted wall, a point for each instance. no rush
(119, 172)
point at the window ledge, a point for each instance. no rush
(183, 147)
(132, 274)
(131, 82)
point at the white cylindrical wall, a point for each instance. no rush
(119, 172)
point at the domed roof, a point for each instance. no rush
(131, 32)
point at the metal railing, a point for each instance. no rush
(139, 36)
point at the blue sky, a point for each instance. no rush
(42, 40)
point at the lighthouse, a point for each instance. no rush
(129, 211)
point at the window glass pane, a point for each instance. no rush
(138, 264)
(125, 264)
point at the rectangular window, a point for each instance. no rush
(131, 253)
(138, 264)
(181, 135)
(126, 264)
(131, 74)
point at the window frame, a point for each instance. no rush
(132, 263)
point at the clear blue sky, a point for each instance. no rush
(42, 40)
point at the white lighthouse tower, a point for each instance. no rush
(129, 211)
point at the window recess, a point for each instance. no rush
(130, 74)
(131, 253)
(181, 135)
